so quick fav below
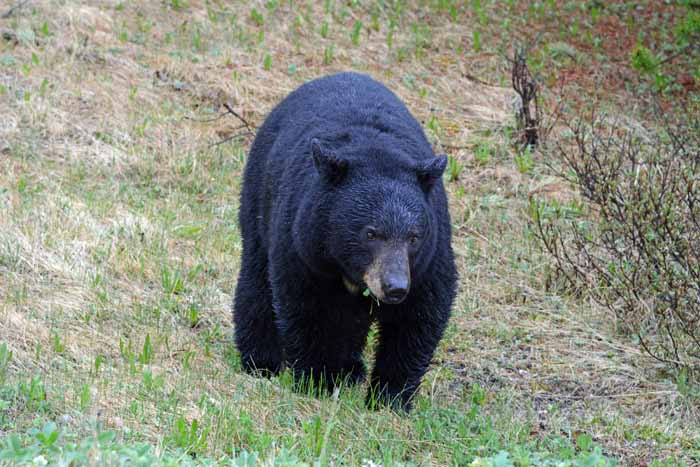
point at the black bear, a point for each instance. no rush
(344, 222)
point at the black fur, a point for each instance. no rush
(337, 155)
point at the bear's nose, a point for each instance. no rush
(395, 289)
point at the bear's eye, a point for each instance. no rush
(413, 240)
(371, 234)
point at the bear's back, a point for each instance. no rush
(344, 98)
(338, 103)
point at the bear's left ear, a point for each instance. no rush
(430, 172)
(330, 167)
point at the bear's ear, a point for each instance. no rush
(430, 172)
(330, 167)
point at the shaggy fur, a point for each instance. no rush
(342, 187)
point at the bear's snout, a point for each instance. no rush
(395, 288)
(389, 275)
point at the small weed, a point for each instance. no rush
(313, 431)
(58, 346)
(146, 355)
(328, 55)
(172, 281)
(257, 17)
(187, 358)
(584, 442)
(375, 21)
(197, 45)
(476, 40)
(356, 30)
(44, 86)
(454, 168)
(47, 436)
(150, 383)
(434, 125)
(99, 360)
(125, 349)
(188, 436)
(192, 313)
(34, 394)
(524, 160)
(85, 397)
(482, 153)
(5, 358)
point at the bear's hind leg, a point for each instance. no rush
(255, 331)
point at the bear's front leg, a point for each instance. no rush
(323, 333)
(322, 351)
(408, 336)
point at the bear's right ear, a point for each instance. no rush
(430, 172)
(330, 167)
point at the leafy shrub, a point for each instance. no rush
(636, 244)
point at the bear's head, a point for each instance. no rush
(381, 225)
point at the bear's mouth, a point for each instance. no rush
(355, 289)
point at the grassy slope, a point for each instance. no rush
(119, 246)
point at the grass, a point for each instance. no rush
(119, 246)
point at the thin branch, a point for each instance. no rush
(228, 138)
(526, 87)
(455, 147)
(206, 120)
(248, 125)
(476, 79)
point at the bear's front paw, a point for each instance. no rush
(265, 366)
(379, 397)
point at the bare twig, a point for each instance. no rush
(229, 138)
(455, 147)
(526, 87)
(251, 128)
(476, 79)
(206, 120)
